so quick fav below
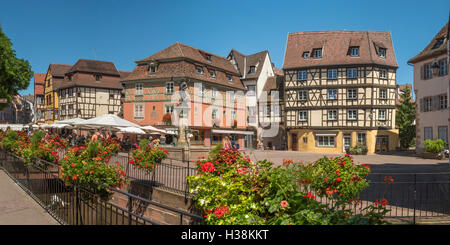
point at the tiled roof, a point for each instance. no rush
(95, 66)
(244, 62)
(58, 71)
(39, 79)
(335, 46)
(433, 49)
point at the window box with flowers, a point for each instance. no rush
(167, 119)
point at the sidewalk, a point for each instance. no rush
(17, 208)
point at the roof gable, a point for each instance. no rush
(433, 48)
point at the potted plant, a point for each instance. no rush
(433, 148)
(147, 157)
(167, 119)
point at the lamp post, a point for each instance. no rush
(435, 68)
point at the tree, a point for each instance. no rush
(405, 118)
(15, 73)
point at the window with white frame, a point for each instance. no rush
(443, 133)
(266, 110)
(214, 114)
(138, 111)
(303, 116)
(213, 93)
(70, 109)
(212, 73)
(63, 110)
(352, 73)
(352, 114)
(317, 53)
(302, 95)
(169, 109)
(251, 90)
(169, 88)
(361, 138)
(381, 114)
(139, 89)
(332, 74)
(326, 141)
(382, 52)
(230, 78)
(383, 93)
(427, 71)
(428, 104)
(332, 94)
(305, 55)
(301, 75)
(354, 51)
(332, 115)
(352, 94)
(199, 70)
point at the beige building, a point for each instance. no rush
(340, 90)
(431, 86)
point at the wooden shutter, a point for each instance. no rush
(436, 102)
(422, 75)
(422, 106)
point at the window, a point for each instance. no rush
(70, 109)
(202, 89)
(139, 111)
(216, 139)
(55, 115)
(383, 73)
(428, 104)
(70, 94)
(302, 95)
(69, 77)
(443, 68)
(332, 74)
(438, 43)
(352, 94)
(332, 115)
(63, 110)
(266, 110)
(233, 115)
(354, 51)
(362, 138)
(199, 138)
(427, 71)
(442, 133)
(383, 93)
(111, 96)
(352, 115)
(230, 78)
(382, 52)
(181, 114)
(212, 73)
(332, 94)
(213, 93)
(443, 101)
(62, 93)
(98, 77)
(381, 114)
(325, 141)
(251, 90)
(208, 57)
(252, 70)
(317, 53)
(301, 75)
(303, 116)
(305, 55)
(169, 88)
(352, 73)
(152, 68)
(199, 70)
(139, 89)
(168, 109)
(214, 113)
(428, 133)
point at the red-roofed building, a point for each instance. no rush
(39, 98)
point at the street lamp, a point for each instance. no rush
(435, 68)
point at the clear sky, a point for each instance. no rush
(123, 31)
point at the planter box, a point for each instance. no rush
(428, 155)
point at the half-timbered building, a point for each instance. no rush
(53, 80)
(91, 88)
(340, 90)
(39, 98)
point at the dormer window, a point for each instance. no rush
(199, 70)
(230, 78)
(382, 52)
(305, 55)
(212, 73)
(354, 51)
(98, 77)
(252, 70)
(208, 57)
(152, 68)
(68, 77)
(438, 43)
(317, 53)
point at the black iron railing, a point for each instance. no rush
(76, 205)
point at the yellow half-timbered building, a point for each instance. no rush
(340, 90)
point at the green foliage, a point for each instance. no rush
(247, 193)
(147, 157)
(405, 117)
(15, 73)
(358, 149)
(434, 146)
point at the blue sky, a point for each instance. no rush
(62, 31)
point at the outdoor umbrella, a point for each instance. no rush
(107, 122)
(153, 129)
(71, 121)
(132, 130)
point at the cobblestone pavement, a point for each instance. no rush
(18, 208)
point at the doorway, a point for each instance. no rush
(382, 143)
(347, 142)
(294, 142)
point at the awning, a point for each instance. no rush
(219, 131)
(326, 134)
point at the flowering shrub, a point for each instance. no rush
(234, 191)
(147, 157)
(86, 166)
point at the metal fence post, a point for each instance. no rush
(415, 199)
(75, 188)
